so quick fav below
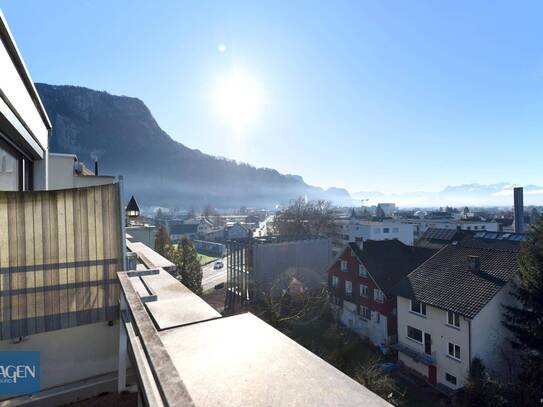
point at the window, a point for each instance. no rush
(335, 281)
(365, 312)
(450, 378)
(9, 168)
(348, 288)
(362, 271)
(364, 291)
(386, 230)
(378, 295)
(395, 230)
(343, 265)
(414, 333)
(483, 227)
(454, 351)
(453, 319)
(418, 307)
(378, 318)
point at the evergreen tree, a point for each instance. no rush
(526, 320)
(189, 271)
(162, 240)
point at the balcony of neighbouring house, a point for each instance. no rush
(417, 356)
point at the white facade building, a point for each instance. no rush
(450, 311)
(373, 230)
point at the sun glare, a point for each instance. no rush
(238, 99)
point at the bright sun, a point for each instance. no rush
(238, 99)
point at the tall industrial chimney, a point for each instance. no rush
(519, 209)
(96, 167)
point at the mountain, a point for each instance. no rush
(498, 194)
(121, 133)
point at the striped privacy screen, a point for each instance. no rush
(59, 255)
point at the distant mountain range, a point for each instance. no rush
(121, 133)
(499, 194)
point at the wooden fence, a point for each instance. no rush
(59, 255)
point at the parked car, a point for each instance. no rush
(218, 265)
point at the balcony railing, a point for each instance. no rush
(414, 354)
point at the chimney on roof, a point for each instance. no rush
(518, 199)
(474, 264)
(359, 242)
(96, 167)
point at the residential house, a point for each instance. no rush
(191, 229)
(237, 231)
(450, 311)
(360, 280)
(377, 230)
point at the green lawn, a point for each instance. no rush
(204, 259)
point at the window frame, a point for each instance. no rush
(455, 347)
(422, 308)
(364, 313)
(343, 263)
(453, 381)
(381, 296)
(363, 268)
(366, 289)
(23, 165)
(455, 318)
(350, 284)
(408, 327)
(335, 281)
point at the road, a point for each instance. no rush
(212, 277)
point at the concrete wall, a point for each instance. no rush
(62, 176)
(309, 258)
(435, 323)
(72, 354)
(490, 339)
(143, 234)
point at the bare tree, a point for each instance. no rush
(303, 217)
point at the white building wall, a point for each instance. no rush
(490, 339)
(61, 174)
(435, 323)
(378, 231)
(375, 329)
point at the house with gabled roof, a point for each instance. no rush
(360, 279)
(450, 311)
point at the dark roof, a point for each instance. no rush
(445, 281)
(443, 234)
(182, 229)
(494, 240)
(388, 261)
(132, 205)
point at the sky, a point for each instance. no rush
(390, 96)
